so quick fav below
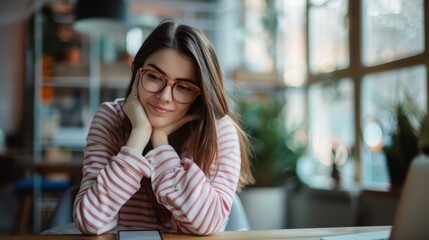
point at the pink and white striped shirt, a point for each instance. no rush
(117, 184)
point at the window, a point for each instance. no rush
(346, 63)
(390, 69)
(331, 121)
(328, 35)
(392, 30)
(381, 93)
(292, 42)
(259, 36)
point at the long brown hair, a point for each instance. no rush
(211, 104)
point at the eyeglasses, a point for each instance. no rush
(182, 91)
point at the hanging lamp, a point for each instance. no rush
(100, 17)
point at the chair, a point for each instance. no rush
(25, 190)
(238, 220)
(63, 213)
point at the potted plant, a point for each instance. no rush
(274, 159)
(275, 154)
(423, 134)
(403, 149)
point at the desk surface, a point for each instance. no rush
(301, 234)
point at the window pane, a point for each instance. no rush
(328, 36)
(295, 108)
(392, 29)
(292, 27)
(259, 35)
(331, 127)
(380, 94)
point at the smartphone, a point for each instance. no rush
(139, 235)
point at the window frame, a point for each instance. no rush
(357, 70)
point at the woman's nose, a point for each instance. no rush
(167, 93)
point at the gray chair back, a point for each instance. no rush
(238, 220)
(63, 212)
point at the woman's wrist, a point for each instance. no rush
(159, 139)
(138, 139)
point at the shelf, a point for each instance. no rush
(71, 80)
(115, 75)
(81, 82)
(67, 137)
(116, 83)
(258, 81)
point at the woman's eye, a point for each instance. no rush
(184, 87)
(153, 76)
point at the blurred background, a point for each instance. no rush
(332, 92)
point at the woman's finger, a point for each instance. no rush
(132, 96)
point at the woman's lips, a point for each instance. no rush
(160, 110)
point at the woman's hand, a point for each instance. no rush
(160, 135)
(135, 112)
(134, 109)
(141, 128)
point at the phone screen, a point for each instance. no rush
(139, 235)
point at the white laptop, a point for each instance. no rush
(412, 216)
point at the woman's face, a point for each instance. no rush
(161, 108)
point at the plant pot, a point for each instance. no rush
(265, 207)
(397, 170)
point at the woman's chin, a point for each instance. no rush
(157, 123)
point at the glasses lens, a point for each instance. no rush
(153, 82)
(184, 92)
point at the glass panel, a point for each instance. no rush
(328, 36)
(259, 36)
(392, 29)
(331, 130)
(295, 117)
(292, 27)
(381, 93)
(295, 108)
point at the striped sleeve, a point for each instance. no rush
(199, 204)
(111, 174)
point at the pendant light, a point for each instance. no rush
(100, 17)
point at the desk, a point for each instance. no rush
(297, 234)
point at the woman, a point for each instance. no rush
(169, 156)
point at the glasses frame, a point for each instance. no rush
(170, 82)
